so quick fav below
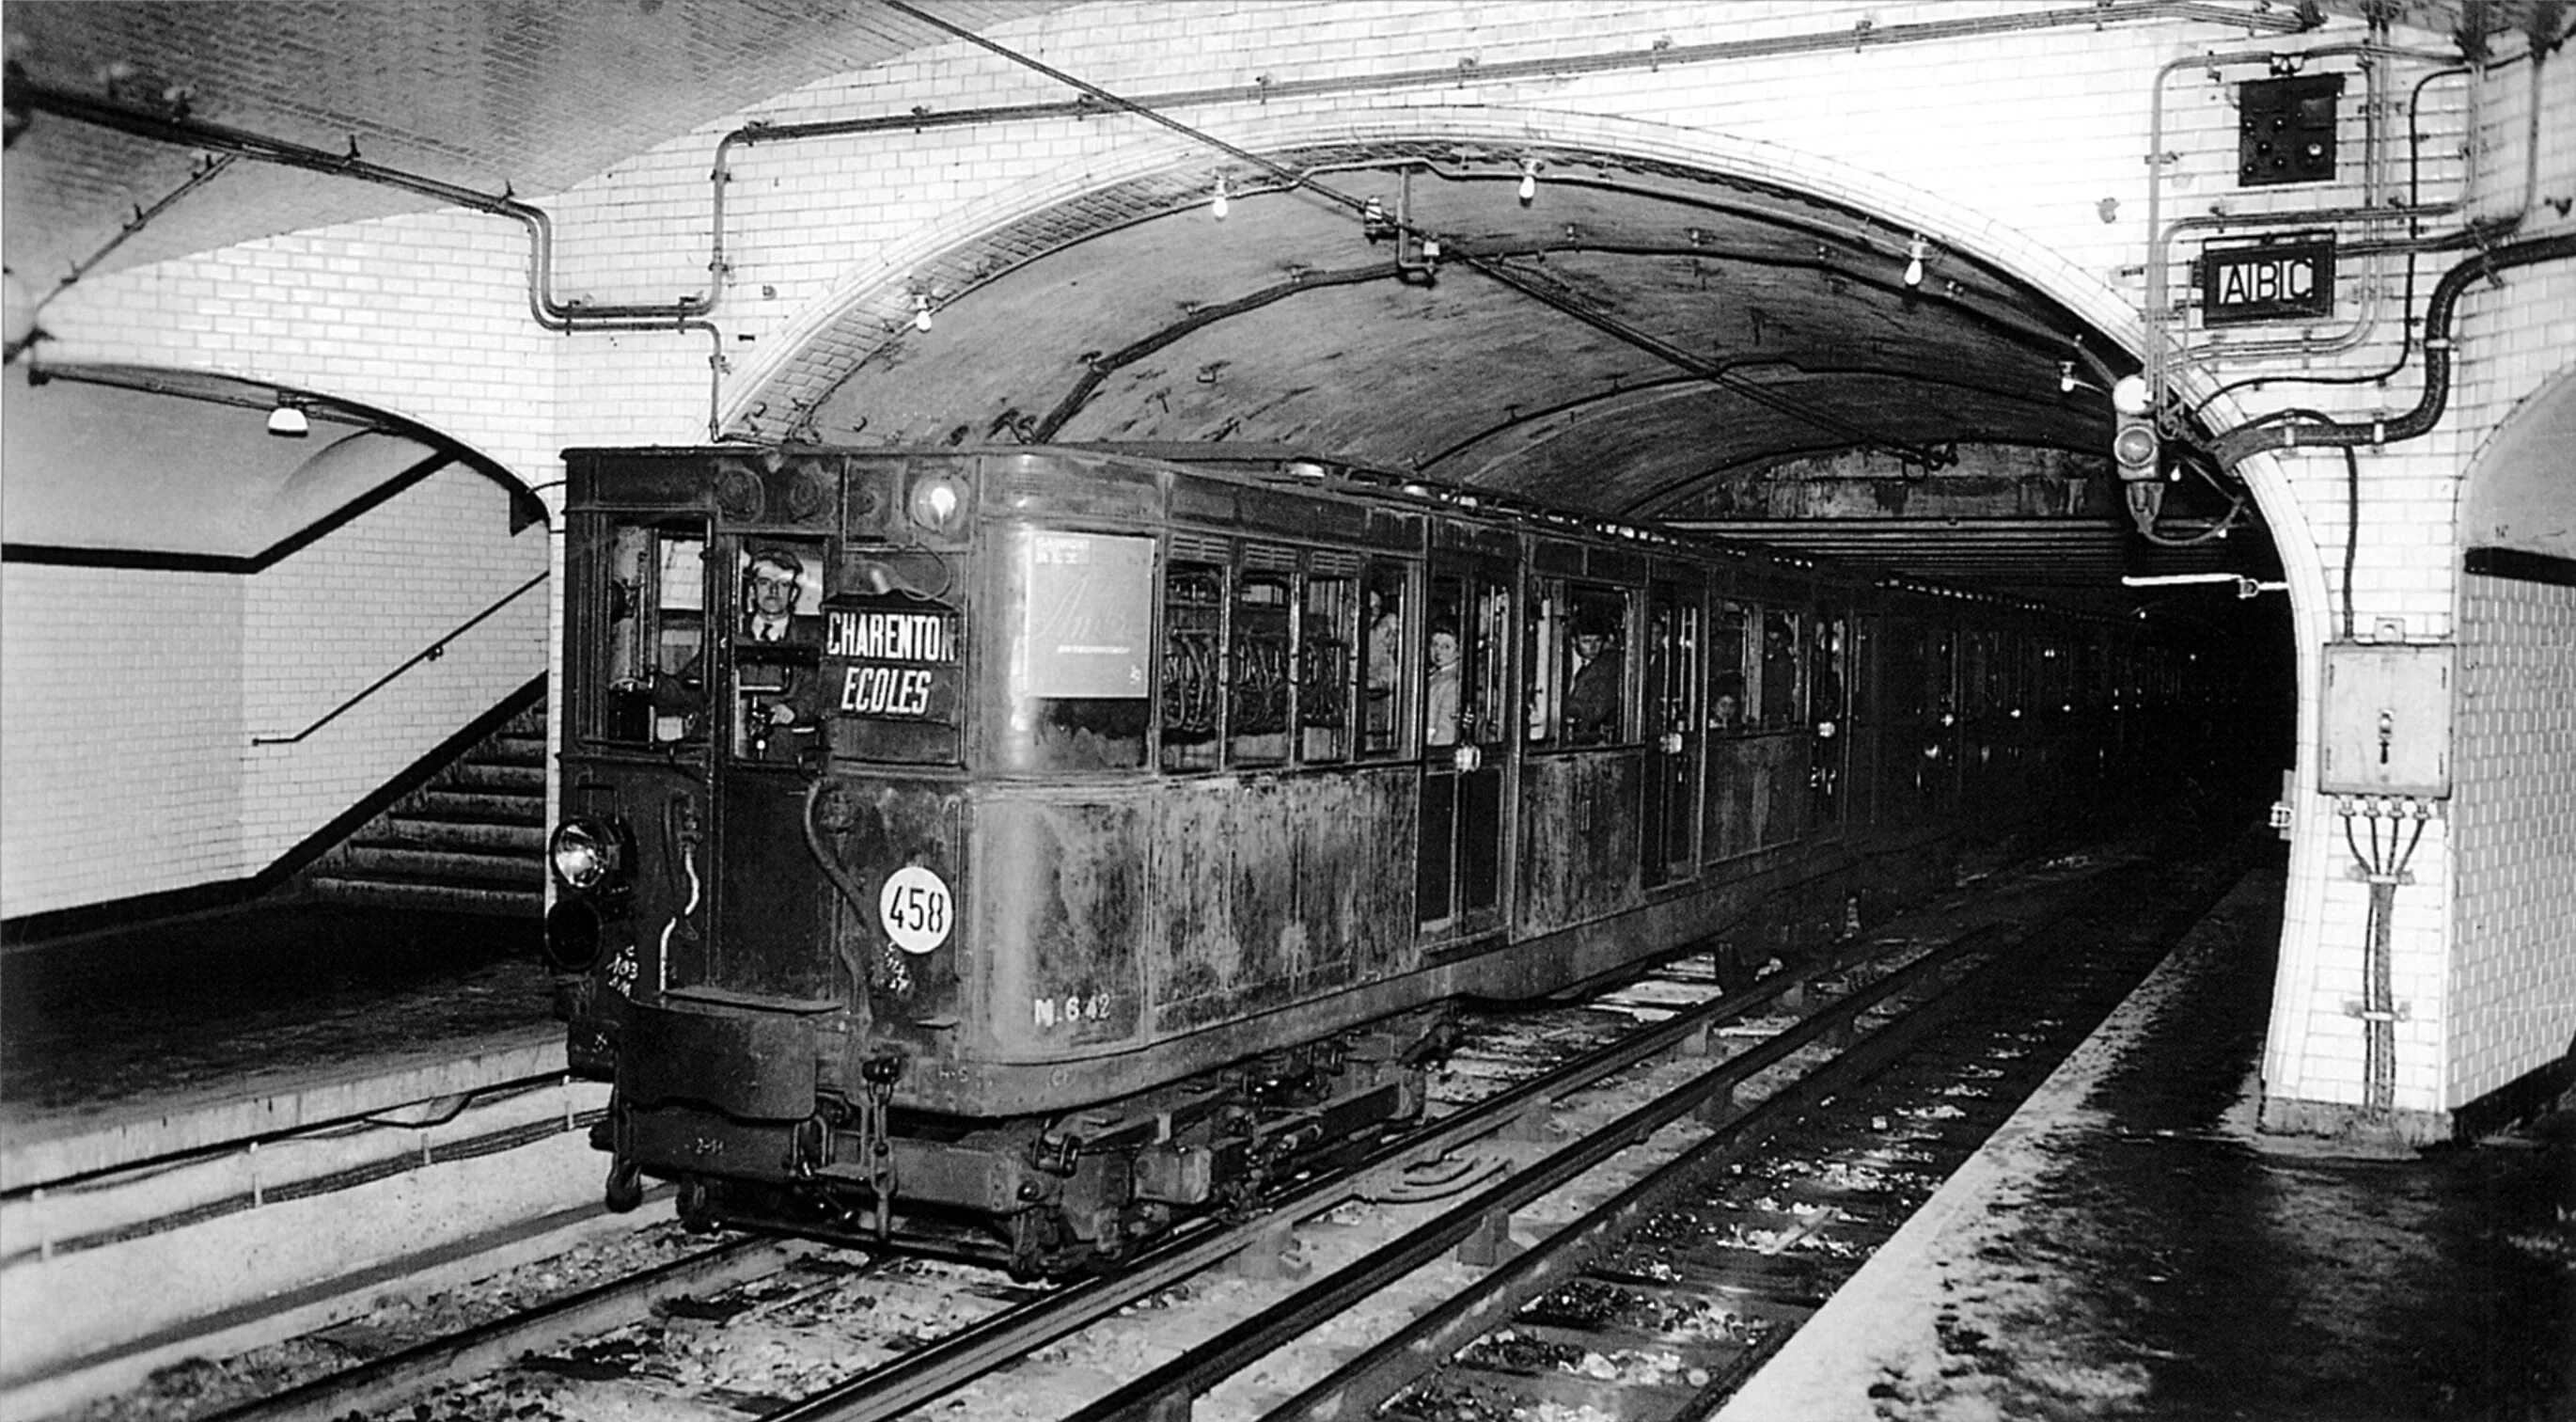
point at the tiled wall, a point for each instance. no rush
(132, 698)
(121, 695)
(2513, 978)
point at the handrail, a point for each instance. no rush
(430, 653)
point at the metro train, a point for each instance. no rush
(1015, 851)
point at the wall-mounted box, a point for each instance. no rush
(2387, 721)
(2286, 129)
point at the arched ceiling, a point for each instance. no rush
(1640, 340)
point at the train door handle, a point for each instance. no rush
(1466, 758)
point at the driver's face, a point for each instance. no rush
(773, 590)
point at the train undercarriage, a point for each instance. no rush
(1049, 1196)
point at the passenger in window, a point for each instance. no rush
(1726, 703)
(1592, 702)
(1385, 665)
(1440, 699)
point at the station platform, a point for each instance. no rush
(2130, 1246)
(147, 1043)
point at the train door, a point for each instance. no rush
(1667, 841)
(1465, 737)
(767, 889)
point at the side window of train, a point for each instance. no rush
(1782, 703)
(1485, 710)
(1726, 648)
(1463, 697)
(652, 636)
(1538, 660)
(1193, 642)
(1327, 658)
(1593, 631)
(1385, 636)
(1260, 645)
(1828, 665)
(1081, 619)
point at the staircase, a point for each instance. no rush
(472, 840)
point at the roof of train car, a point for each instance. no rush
(1283, 468)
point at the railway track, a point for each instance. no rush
(1631, 1227)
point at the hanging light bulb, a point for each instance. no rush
(1529, 180)
(1914, 261)
(921, 311)
(1217, 205)
(2066, 377)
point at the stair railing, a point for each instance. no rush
(430, 653)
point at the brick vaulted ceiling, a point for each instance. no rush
(1648, 342)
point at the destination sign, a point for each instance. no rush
(892, 664)
(2272, 281)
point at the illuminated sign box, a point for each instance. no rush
(2270, 281)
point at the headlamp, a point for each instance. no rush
(591, 856)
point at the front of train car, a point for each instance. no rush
(775, 789)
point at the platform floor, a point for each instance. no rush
(2130, 1247)
(127, 1045)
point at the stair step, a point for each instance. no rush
(490, 776)
(512, 748)
(468, 836)
(437, 865)
(444, 897)
(475, 805)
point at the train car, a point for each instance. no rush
(1014, 851)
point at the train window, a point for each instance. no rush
(1828, 651)
(1539, 658)
(1594, 636)
(1781, 702)
(1261, 644)
(1082, 615)
(653, 636)
(1726, 648)
(1193, 641)
(1463, 693)
(1485, 710)
(1326, 667)
(1383, 653)
(778, 706)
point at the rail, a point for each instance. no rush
(430, 653)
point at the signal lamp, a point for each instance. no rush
(574, 940)
(2134, 448)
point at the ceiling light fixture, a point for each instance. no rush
(1914, 251)
(1217, 205)
(2066, 377)
(2129, 395)
(288, 420)
(2245, 587)
(921, 311)
(1529, 181)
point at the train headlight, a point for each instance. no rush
(938, 503)
(591, 856)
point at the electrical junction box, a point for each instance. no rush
(2285, 131)
(2387, 718)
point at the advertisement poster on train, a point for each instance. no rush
(1089, 611)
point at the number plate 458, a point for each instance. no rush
(916, 909)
